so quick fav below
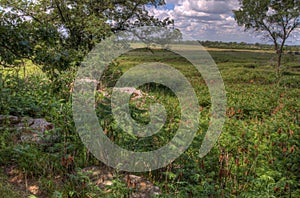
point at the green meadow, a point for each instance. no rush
(257, 154)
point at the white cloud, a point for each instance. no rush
(172, 1)
(216, 7)
(206, 20)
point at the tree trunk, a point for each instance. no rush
(279, 56)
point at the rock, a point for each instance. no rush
(130, 90)
(99, 177)
(142, 188)
(40, 125)
(8, 119)
(31, 130)
(87, 80)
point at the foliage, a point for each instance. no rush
(256, 155)
(277, 19)
(58, 34)
(160, 36)
(242, 45)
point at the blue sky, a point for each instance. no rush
(210, 20)
(169, 6)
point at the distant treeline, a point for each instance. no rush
(291, 49)
(241, 45)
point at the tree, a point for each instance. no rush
(158, 35)
(276, 19)
(57, 34)
(168, 36)
(14, 43)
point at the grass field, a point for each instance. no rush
(257, 154)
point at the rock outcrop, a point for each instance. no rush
(30, 129)
(141, 187)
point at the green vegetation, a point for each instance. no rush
(58, 34)
(42, 44)
(257, 154)
(242, 45)
(276, 20)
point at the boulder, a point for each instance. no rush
(130, 90)
(141, 187)
(30, 129)
(33, 130)
(9, 119)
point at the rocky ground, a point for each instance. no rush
(37, 131)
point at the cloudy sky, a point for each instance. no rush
(209, 20)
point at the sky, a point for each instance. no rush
(210, 20)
